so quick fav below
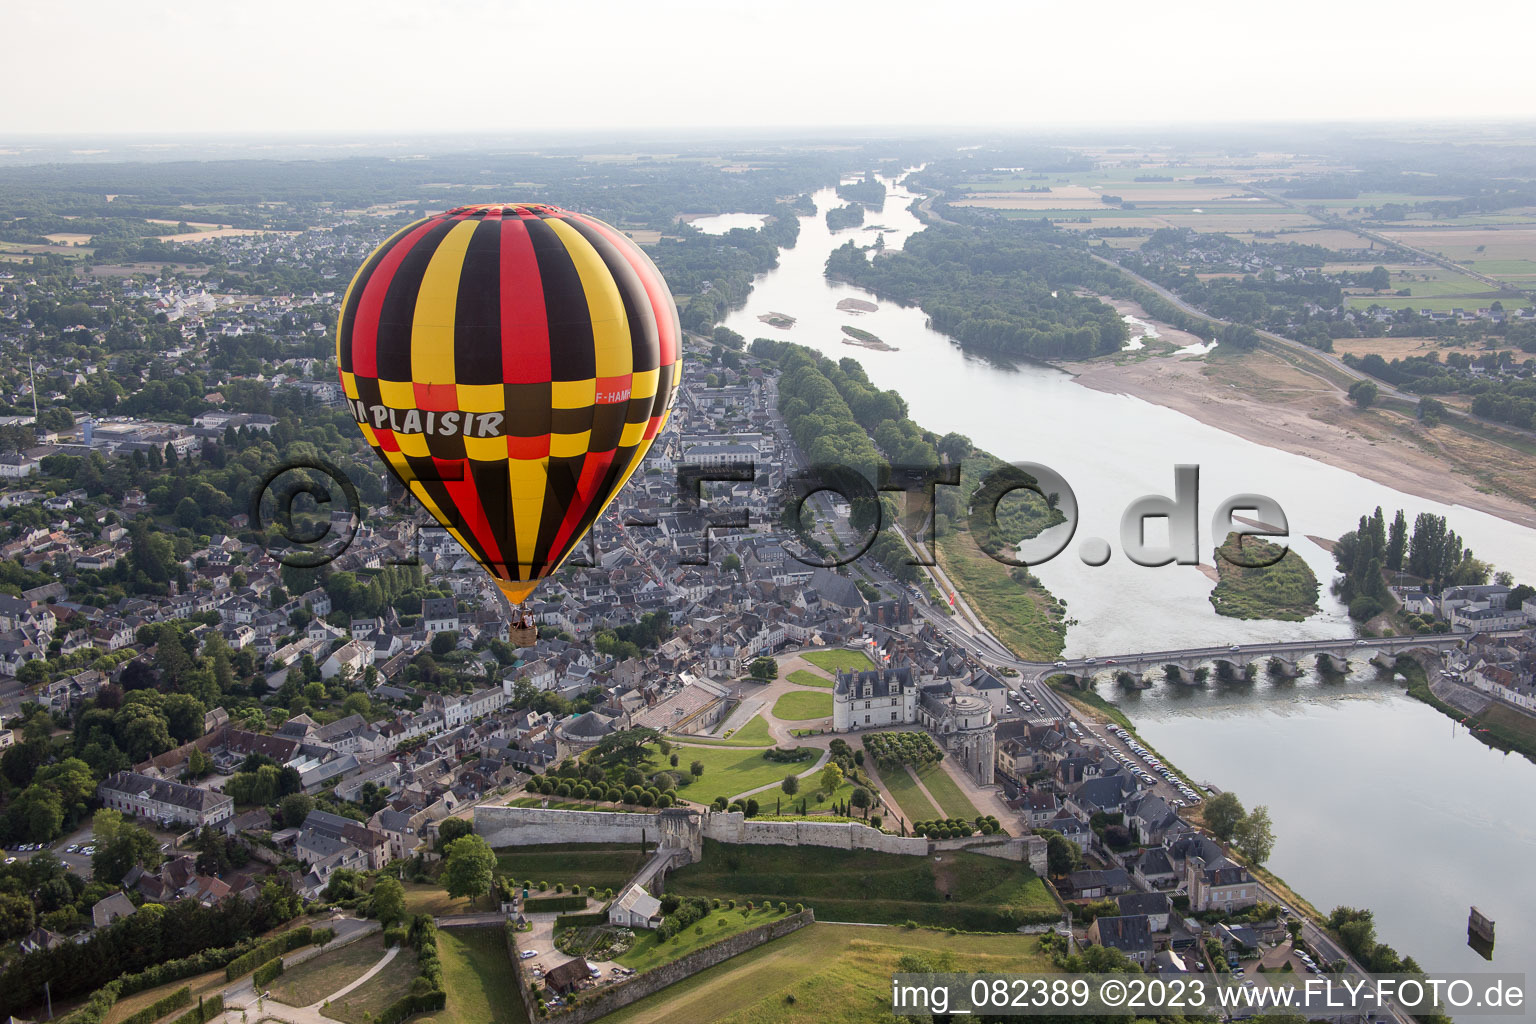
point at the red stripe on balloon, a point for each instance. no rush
(524, 322)
(365, 328)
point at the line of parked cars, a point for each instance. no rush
(1185, 789)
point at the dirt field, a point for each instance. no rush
(68, 238)
(643, 236)
(1398, 348)
(1305, 415)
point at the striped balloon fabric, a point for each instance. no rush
(511, 364)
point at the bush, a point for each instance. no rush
(393, 936)
(267, 972)
(153, 1012)
(204, 1011)
(275, 946)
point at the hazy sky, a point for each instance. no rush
(344, 66)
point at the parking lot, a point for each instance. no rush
(541, 941)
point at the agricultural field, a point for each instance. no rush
(800, 706)
(335, 969)
(827, 974)
(477, 973)
(964, 890)
(604, 865)
(1506, 253)
(840, 660)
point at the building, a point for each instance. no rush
(1131, 935)
(873, 698)
(105, 911)
(149, 797)
(635, 908)
(439, 614)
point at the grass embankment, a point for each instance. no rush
(317, 977)
(478, 975)
(958, 889)
(826, 974)
(647, 953)
(839, 660)
(1286, 590)
(753, 734)
(729, 772)
(604, 865)
(911, 802)
(952, 801)
(1498, 726)
(805, 677)
(801, 706)
(1017, 614)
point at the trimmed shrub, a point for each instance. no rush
(154, 1011)
(276, 946)
(266, 972)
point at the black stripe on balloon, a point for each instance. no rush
(559, 496)
(528, 412)
(349, 314)
(572, 350)
(426, 473)
(477, 312)
(493, 484)
(644, 337)
(399, 307)
(607, 427)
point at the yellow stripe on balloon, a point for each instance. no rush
(573, 394)
(436, 304)
(568, 446)
(610, 324)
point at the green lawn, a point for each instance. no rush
(914, 806)
(799, 706)
(1019, 616)
(605, 865)
(839, 660)
(647, 953)
(952, 801)
(729, 771)
(314, 979)
(366, 1001)
(965, 890)
(753, 734)
(837, 974)
(479, 978)
(805, 677)
(425, 898)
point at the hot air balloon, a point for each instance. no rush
(511, 365)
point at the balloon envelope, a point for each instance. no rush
(511, 364)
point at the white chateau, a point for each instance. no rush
(962, 720)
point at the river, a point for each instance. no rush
(1377, 799)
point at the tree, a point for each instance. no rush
(451, 829)
(1378, 279)
(764, 669)
(1363, 393)
(861, 800)
(388, 900)
(294, 808)
(119, 846)
(1254, 835)
(1222, 814)
(696, 769)
(1062, 855)
(831, 777)
(467, 869)
(16, 916)
(790, 785)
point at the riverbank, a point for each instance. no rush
(1497, 725)
(1261, 398)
